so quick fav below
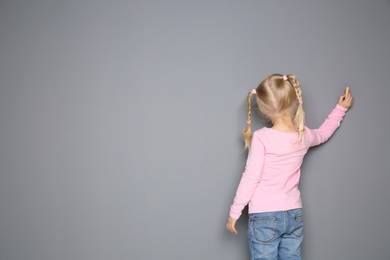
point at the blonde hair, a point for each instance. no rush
(277, 95)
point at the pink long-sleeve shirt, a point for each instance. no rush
(271, 177)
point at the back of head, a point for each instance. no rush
(277, 96)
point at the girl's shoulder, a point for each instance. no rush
(262, 132)
(271, 131)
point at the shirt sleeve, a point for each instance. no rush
(326, 130)
(250, 178)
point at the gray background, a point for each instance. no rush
(120, 124)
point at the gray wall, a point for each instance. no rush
(120, 124)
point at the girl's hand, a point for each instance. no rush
(231, 225)
(346, 99)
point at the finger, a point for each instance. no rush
(348, 100)
(234, 231)
(346, 91)
(231, 228)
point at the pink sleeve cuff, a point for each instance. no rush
(235, 216)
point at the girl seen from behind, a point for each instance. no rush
(270, 181)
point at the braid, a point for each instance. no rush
(248, 130)
(299, 119)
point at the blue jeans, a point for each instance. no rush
(276, 235)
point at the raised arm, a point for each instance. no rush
(326, 130)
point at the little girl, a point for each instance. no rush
(271, 177)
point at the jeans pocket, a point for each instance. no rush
(298, 225)
(265, 229)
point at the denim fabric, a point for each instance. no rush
(276, 235)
